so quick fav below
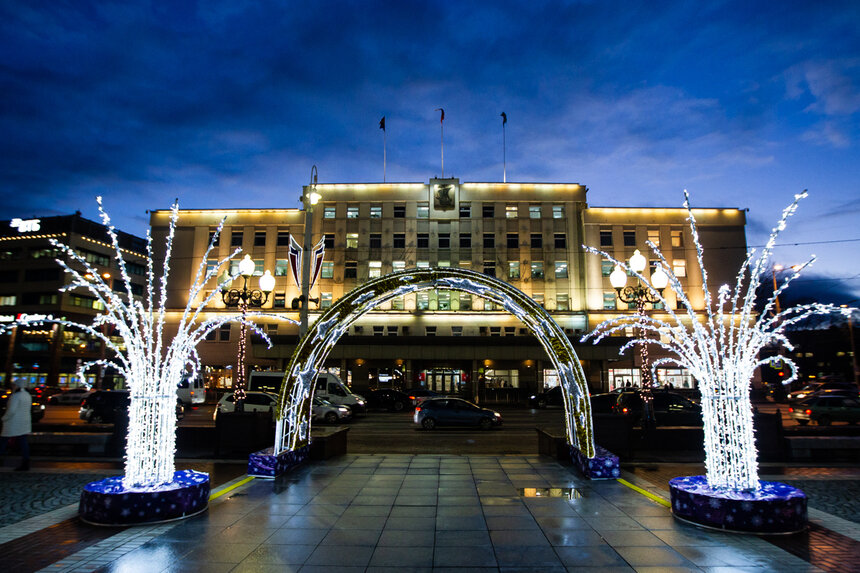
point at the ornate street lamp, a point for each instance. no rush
(640, 295)
(310, 197)
(242, 299)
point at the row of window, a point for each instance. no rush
(488, 211)
(628, 237)
(91, 257)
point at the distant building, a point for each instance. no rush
(529, 234)
(30, 282)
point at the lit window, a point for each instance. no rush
(561, 269)
(465, 301)
(327, 270)
(510, 211)
(562, 302)
(606, 268)
(489, 305)
(537, 269)
(376, 211)
(325, 300)
(654, 236)
(465, 264)
(443, 264)
(258, 267)
(398, 265)
(374, 269)
(423, 211)
(282, 267)
(423, 264)
(538, 298)
(328, 212)
(8, 300)
(558, 211)
(513, 269)
(679, 267)
(422, 301)
(397, 303)
(352, 240)
(609, 301)
(677, 238)
(211, 265)
(352, 212)
(534, 211)
(443, 298)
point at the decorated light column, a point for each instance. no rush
(310, 198)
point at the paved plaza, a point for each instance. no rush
(428, 512)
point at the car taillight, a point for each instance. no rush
(411, 397)
(808, 412)
(790, 410)
(624, 410)
(417, 409)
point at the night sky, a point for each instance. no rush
(229, 104)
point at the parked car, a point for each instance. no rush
(603, 403)
(454, 412)
(659, 407)
(825, 410)
(71, 396)
(37, 410)
(816, 388)
(324, 410)
(44, 392)
(551, 397)
(254, 402)
(418, 395)
(388, 399)
(109, 406)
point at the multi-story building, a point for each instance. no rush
(528, 234)
(30, 283)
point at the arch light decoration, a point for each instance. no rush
(293, 424)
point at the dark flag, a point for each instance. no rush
(443, 114)
(504, 118)
(382, 123)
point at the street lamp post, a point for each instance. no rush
(639, 294)
(853, 348)
(242, 299)
(310, 197)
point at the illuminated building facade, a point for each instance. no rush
(30, 282)
(528, 234)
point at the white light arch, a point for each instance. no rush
(293, 426)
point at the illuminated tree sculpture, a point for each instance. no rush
(151, 360)
(721, 349)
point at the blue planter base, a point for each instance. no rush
(107, 502)
(267, 464)
(776, 508)
(604, 464)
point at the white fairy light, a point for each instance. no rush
(151, 361)
(722, 351)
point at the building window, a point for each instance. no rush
(538, 298)
(513, 269)
(328, 212)
(280, 300)
(400, 211)
(422, 301)
(282, 267)
(213, 240)
(236, 239)
(211, 265)
(259, 238)
(391, 330)
(489, 241)
(378, 330)
(376, 240)
(86, 302)
(8, 300)
(352, 212)
(609, 299)
(327, 270)
(283, 239)
(465, 264)
(465, 210)
(444, 240)
(350, 270)
(513, 240)
(224, 333)
(677, 238)
(534, 211)
(561, 269)
(352, 240)
(489, 305)
(325, 300)
(536, 240)
(605, 238)
(429, 331)
(465, 301)
(537, 269)
(397, 303)
(374, 269)
(443, 298)
(258, 267)
(488, 211)
(629, 238)
(495, 331)
(679, 267)
(606, 268)
(328, 240)
(423, 264)
(510, 211)
(558, 211)
(423, 240)
(443, 264)
(490, 268)
(423, 211)
(376, 211)
(398, 265)
(562, 302)
(654, 236)
(465, 241)
(399, 241)
(560, 240)
(456, 331)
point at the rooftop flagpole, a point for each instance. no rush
(504, 151)
(382, 127)
(442, 138)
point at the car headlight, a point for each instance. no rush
(361, 402)
(532, 397)
(497, 415)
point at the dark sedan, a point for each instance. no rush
(660, 407)
(387, 399)
(454, 412)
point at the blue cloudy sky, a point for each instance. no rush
(228, 104)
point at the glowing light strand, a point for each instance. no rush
(720, 349)
(151, 362)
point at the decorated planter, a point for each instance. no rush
(267, 464)
(108, 502)
(604, 464)
(776, 508)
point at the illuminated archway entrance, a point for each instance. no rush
(293, 426)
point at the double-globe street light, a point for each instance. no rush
(244, 298)
(640, 295)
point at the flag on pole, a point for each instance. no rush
(382, 123)
(504, 118)
(443, 114)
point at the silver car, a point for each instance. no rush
(331, 413)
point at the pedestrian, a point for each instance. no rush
(17, 423)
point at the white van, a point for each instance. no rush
(191, 391)
(328, 386)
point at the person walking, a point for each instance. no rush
(17, 424)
